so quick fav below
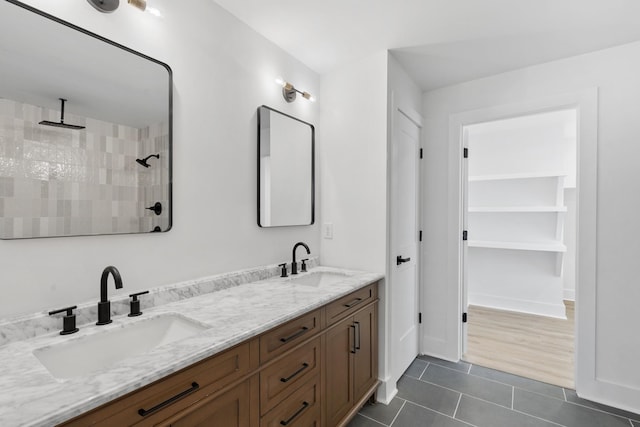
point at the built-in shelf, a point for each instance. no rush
(518, 209)
(523, 246)
(516, 176)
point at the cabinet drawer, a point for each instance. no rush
(230, 409)
(301, 409)
(156, 401)
(348, 304)
(288, 374)
(282, 338)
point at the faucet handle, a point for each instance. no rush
(135, 304)
(68, 321)
(303, 268)
(283, 272)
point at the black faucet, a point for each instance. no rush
(104, 306)
(294, 264)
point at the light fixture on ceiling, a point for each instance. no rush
(108, 6)
(289, 92)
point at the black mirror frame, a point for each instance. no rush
(170, 107)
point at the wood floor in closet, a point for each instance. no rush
(531, 346)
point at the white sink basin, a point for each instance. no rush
(320, 278)
(91, 353)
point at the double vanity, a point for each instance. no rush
(297, 350)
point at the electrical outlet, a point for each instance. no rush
(327, 230)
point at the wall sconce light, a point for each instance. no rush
(108, 6)
(289, 92)
(105, 6)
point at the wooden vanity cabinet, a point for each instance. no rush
(313, 371)
(350, 365)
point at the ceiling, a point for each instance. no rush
(440, 42)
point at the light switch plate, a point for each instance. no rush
(327, 230)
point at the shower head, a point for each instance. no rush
(144, 163)
(61, 123)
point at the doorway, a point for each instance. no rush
(519, 257)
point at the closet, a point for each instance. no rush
(519, 171)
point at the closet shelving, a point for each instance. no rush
(523, 211)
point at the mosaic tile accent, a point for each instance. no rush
(57, 182)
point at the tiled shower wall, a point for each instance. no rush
(153, 184)
(60, 182)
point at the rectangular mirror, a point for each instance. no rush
(85, 131)
(286, 166)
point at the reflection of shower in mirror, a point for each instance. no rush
(61, 123)
(144, 163)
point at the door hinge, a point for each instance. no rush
(420, 236)
(464, 317)
(419, 317)
(464, 234)
(465, 153)
(421, 153)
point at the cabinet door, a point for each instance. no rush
(230, 409)
(365, 359)
(338, 367)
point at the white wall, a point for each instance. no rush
(222, 72)
(353, 163)
(615, 72)
(536, 143)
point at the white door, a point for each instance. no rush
(403, 276)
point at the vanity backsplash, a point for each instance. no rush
(25, 327)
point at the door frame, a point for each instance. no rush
(586, 104)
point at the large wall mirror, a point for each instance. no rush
(286, 147)
(85, 131)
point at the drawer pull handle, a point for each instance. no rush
(302, 331)
(353, 303)
(290, 377)
(305, 405)
(169, 401)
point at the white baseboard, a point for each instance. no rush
(523, 306)
(570, 294)
(386, 391)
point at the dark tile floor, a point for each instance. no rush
(437, 393)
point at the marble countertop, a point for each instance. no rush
(31, 396)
